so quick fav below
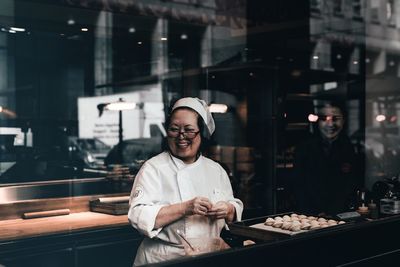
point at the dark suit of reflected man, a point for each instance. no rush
(327, 169)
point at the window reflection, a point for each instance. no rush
(269, 64)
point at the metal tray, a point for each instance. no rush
(255, 228)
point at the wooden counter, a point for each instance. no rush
(21, 228)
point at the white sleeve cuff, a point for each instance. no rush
(147, 220)
(238, 209)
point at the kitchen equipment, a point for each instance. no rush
(390, 206)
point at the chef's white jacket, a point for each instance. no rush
(164, 180)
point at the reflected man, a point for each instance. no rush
(327, 170)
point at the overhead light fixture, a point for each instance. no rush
(315, 57)
(17, 29)
(218, 108)
(120, 106)
(139, 43)
(312, 118)
(70, 22)
(184, 36)
(380, 118)
(131, 30)
(164, 39)
(84, 29)
(8, 112)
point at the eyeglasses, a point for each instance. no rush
(175, 132)
(330, 118)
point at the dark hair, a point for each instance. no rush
(333, 103)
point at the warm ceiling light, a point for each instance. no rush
(380, 118)
(218, 108)
(121, 106)
(17, 29)
(312, 117)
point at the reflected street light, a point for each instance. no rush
(119, 106)
(7, 112)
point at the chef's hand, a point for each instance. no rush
(222, 210)
(197, 205)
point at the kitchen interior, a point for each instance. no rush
(86, 86)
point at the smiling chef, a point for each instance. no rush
(180, 189)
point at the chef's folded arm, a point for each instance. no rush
(143, 218)
(144, 203)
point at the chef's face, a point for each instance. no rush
(330, 122)
(183, 135)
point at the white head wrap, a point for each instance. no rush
(200, 106)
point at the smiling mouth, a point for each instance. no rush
(183, 144)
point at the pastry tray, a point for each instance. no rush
(255, 228)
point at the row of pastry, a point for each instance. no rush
(296, 222)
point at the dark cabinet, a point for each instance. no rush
(117, 253)
(51, 258)
(106, 247)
